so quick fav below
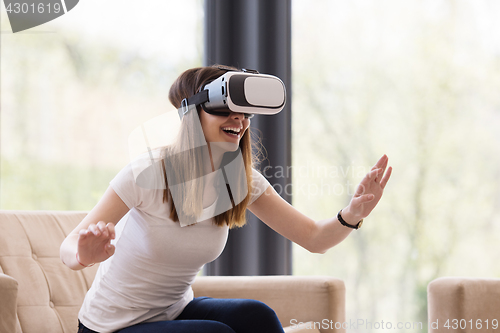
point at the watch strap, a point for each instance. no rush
(344, 223)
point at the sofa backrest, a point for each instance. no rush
(464, 304)
(49, 293)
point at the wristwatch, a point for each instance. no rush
(344, 223)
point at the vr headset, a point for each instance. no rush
(247, 92)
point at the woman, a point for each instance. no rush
(144, 280)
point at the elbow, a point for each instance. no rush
(67, 252)
(321, 251)
(316, 249)
(63, 253)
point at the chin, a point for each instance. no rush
(225, 146)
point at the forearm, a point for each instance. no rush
(328, 233)
(68, 250)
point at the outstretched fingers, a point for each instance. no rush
(365, 182)
(386, 177)
(370, 189)
(381, 163)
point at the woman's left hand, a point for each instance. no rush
(368, 192)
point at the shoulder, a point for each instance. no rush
(145, 171)
(138, 180)
(258, 186)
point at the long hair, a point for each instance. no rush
(187, 157)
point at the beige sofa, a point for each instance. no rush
(462, 304)
(39, 294)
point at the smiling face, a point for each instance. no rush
(228, 129)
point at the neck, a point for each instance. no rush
(216, 152)
(215, 158)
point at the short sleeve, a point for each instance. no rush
(259, 185)
(127, 189)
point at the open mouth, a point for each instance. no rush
(233, 132)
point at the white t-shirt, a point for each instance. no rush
(156, 260)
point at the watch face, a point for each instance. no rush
(360, 224)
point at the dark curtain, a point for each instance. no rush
(256, 34)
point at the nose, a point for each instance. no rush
(237, 115)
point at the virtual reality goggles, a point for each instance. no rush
(247, 92)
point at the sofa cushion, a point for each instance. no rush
(295, 299)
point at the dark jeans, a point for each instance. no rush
(213, 315)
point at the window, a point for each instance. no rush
(73, 90)
(418, 81)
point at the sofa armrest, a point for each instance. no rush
(8, 303)
(463, 299)
(295, 299)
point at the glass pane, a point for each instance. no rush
(75, 88)
(418, 81)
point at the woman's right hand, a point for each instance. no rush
(94, 243)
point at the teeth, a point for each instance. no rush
(234, 129)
